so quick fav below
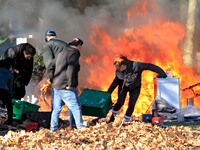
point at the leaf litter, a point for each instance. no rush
(112, 136)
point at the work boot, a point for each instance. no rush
(112, 118)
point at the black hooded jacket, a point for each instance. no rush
(63, 70)
(23, 66)
(132, 75)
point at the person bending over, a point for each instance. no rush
(128, 79)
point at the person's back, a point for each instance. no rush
(50, 50)
(69, 73)
(53, 47)
(63, 74)
(5, 75)
(6, 82)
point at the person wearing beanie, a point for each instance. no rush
(128, 79)
(63, 74)
(51, 49)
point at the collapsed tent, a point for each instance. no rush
(161, 108)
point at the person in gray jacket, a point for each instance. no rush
(51, 49)
(128, 79)
(63, 74)
(6, 83)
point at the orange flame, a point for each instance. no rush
(156, 42)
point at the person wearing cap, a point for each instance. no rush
(128, 79)
(23, 55)
(63, 74)
(51, 49)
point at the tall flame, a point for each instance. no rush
(156, 42)
(147, 39)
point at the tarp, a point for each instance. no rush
(160, 105)
(161, 108)
(189, 112)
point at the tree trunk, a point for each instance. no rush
(188, 49)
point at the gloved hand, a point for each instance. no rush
(159, 76)
(165, 76)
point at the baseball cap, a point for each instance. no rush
(50, 32)
(76, 42)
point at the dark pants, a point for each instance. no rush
(18, 91)
(134, 94)
(7, 101)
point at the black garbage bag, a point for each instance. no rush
(42, 118)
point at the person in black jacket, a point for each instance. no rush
(63, 74)
(51, 49)
(128, 79)
(23, 55)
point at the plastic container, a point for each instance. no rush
(169, 73)
(146, 118)
(22, 107)
(157, 120)
(95, 103)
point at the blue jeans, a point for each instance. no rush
(70, 98)
(72, 121)
(52, 98)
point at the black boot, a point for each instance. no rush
(112, 118)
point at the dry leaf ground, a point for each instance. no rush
(117, 135)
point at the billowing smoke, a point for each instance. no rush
(77, 18)
(68, 19)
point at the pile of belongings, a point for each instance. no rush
(161, 108)
(32, 120)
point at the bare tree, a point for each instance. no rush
(188, 48)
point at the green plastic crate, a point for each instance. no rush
(22, 107)
(95, 103)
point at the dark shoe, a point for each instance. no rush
(112, 118)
